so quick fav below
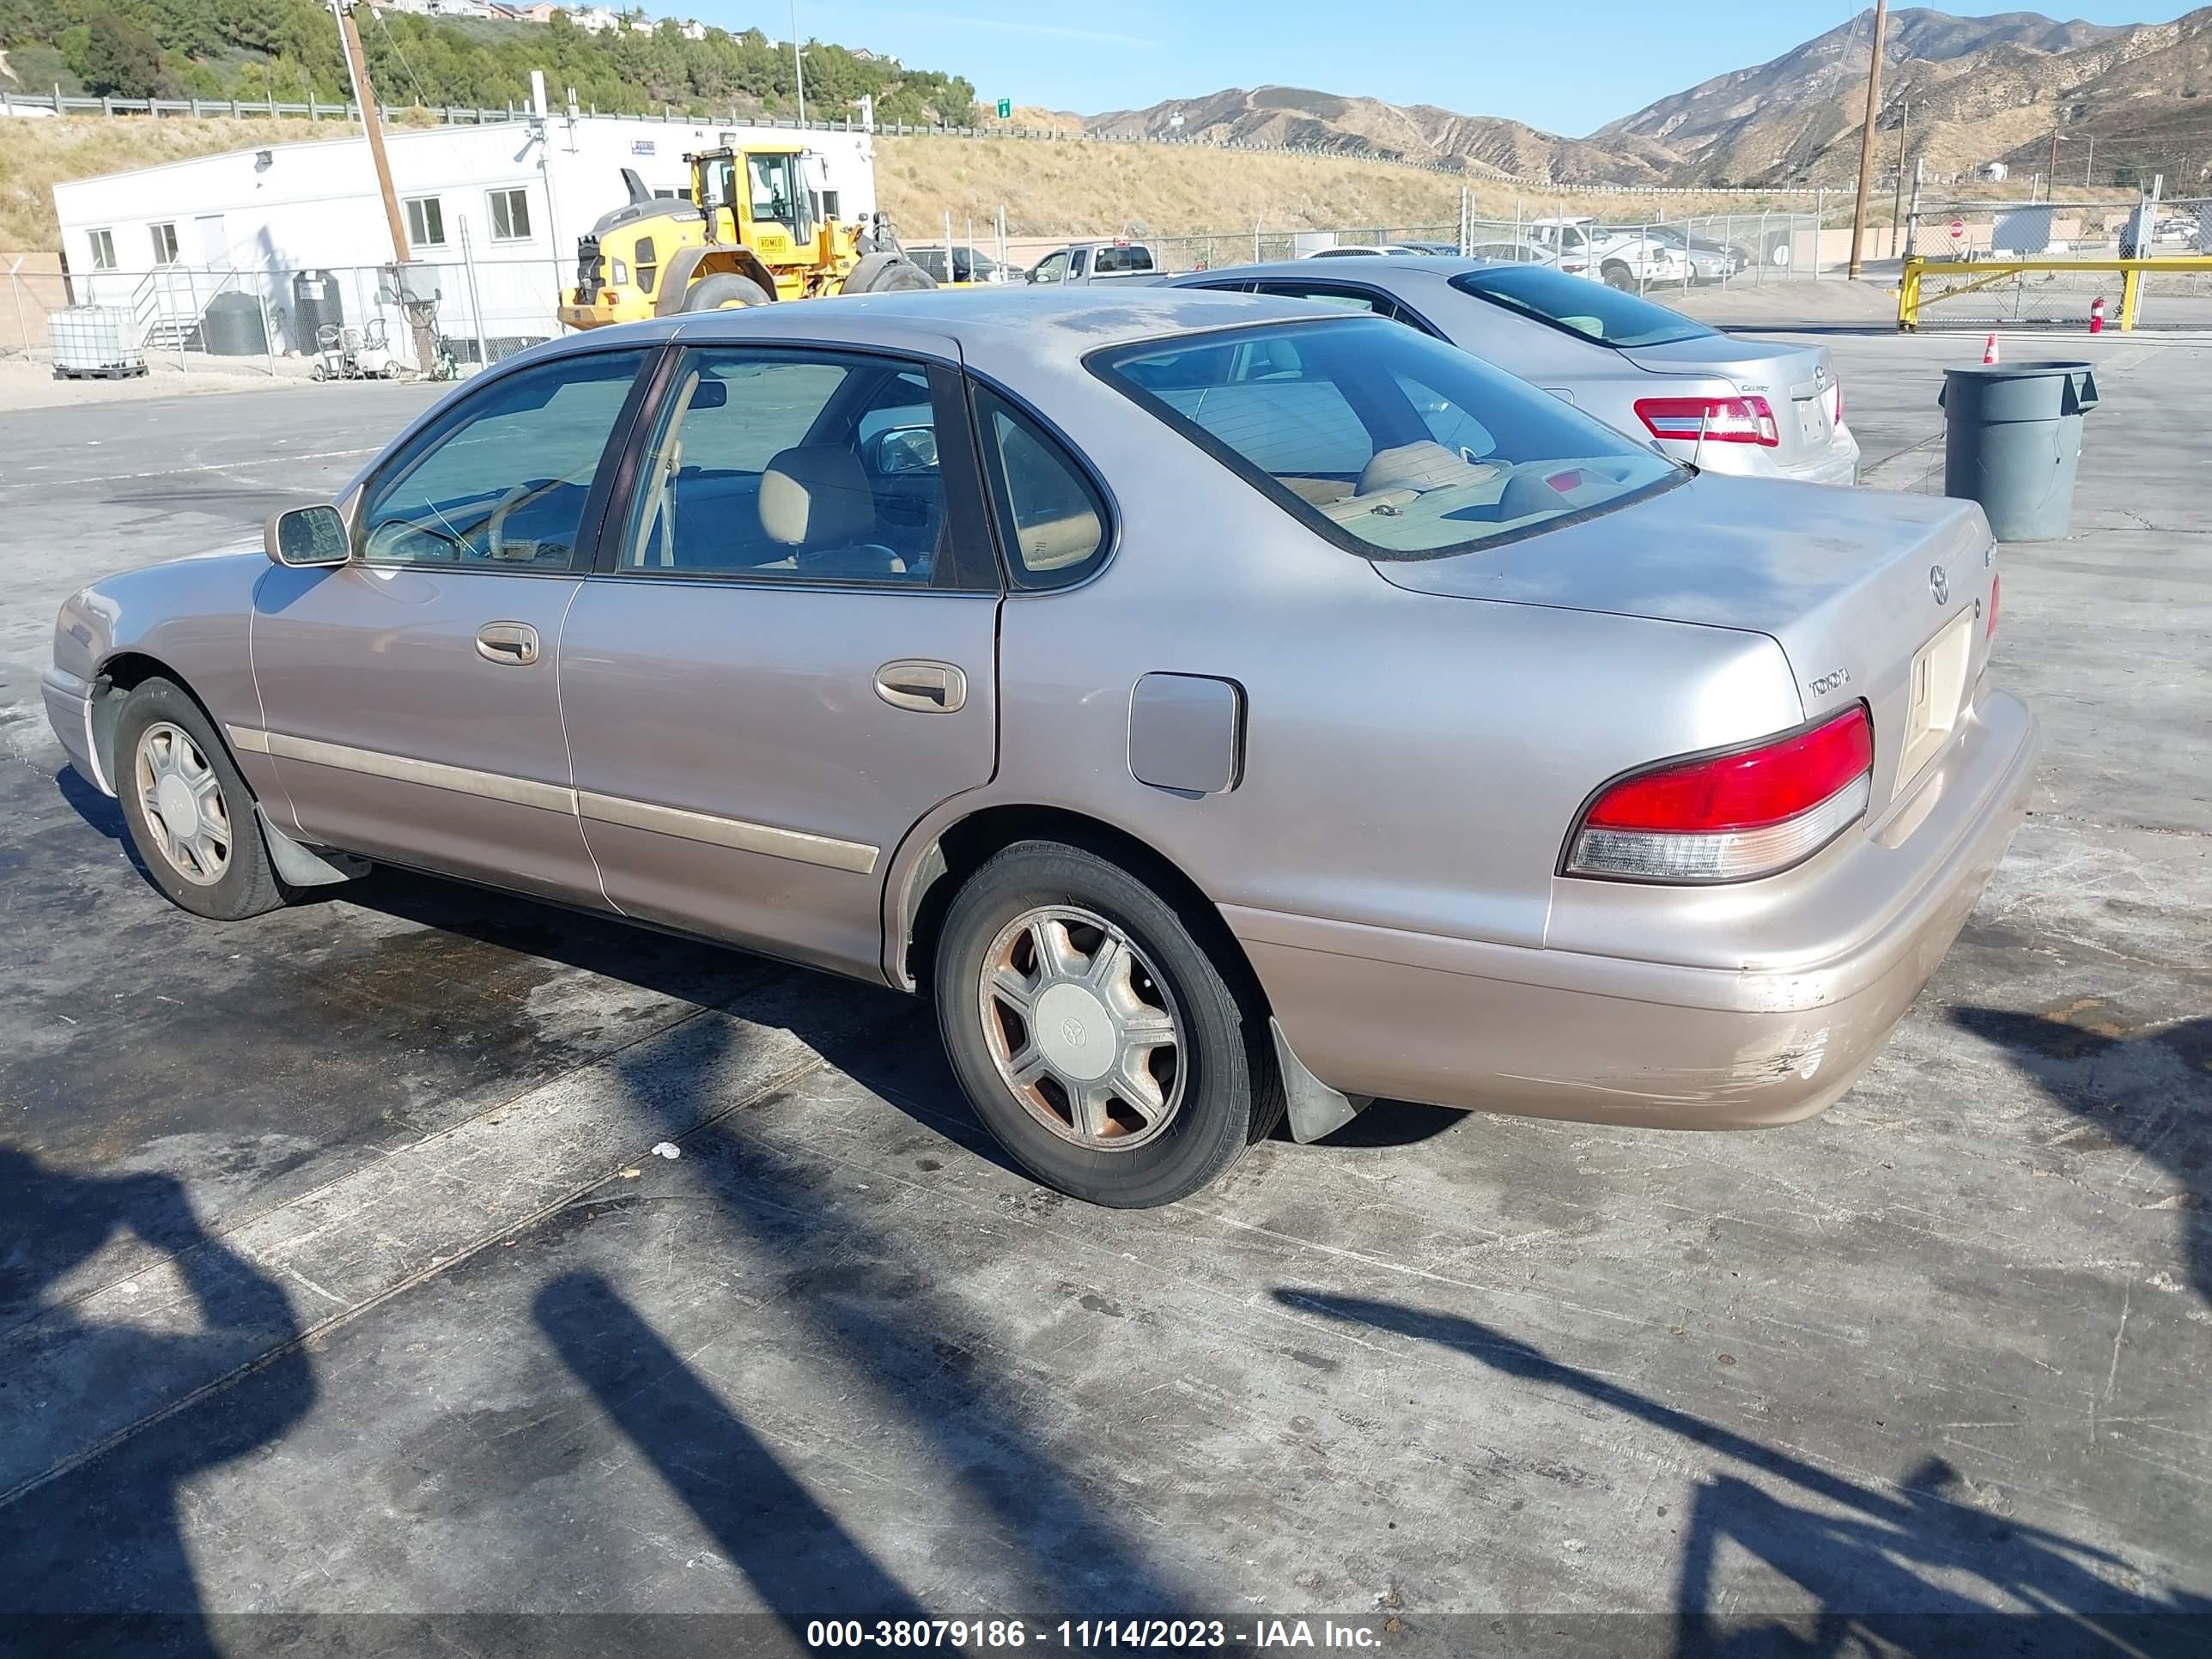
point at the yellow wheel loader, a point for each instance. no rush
(753, 232)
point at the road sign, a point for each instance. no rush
(1957, 229)
(1006, 108)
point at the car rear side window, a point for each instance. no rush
(1389, 442)
(504, 481)
(1577, 306)
(1051, 520)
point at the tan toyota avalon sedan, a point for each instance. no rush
(1216, 703)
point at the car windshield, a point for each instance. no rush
(1390, 443)
(1580, 307)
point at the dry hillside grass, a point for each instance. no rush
(1049, 187)
(1052, 189)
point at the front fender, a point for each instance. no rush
(189, 620)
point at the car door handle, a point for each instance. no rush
(932, 688)
(510, 644)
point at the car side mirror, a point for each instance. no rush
(901, 449)
(308, 538)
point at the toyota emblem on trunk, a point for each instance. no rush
(1939, 584)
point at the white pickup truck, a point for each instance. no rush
(1619, 259)
(1085, 262)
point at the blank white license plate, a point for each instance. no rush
(1812, 420)
(1938, 690)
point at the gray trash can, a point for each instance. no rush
(2012, 440)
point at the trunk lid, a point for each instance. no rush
(1844, 580)
(1798, 381)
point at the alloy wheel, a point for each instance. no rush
(1082, 1028)
(185, 811)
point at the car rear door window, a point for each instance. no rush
(1328, 293)
(1389, 442)
(1052, 521)
(505, 480)
(791, 465)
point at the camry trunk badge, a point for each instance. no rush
(1939, 584)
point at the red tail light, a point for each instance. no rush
(1835, 409)
(1991, 632)
(1717, 420)
(1730, 816)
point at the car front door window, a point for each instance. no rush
(506, 480)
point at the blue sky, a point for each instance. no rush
(1567, 66)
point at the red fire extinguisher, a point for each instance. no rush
(2097, 315)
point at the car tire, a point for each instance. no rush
(1618, 276)
(886, 273)
(171, 771)
(1214, 1082)
(723, 289)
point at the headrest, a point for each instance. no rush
(816, 495)
(1424, 465)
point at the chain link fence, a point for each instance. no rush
(475, 310)
(2062, 232)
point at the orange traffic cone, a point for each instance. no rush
(1990, 351)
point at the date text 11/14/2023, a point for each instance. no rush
(1088, 1635)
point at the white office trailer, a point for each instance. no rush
(299, 230)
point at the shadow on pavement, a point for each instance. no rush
(932, 1370)
(798, 1560)
(110, 1524)
(1912, 1570)
(2124, 1085)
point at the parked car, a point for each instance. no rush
(1219, 705)
(1081, 262)
(1626, 259)
(1709, 261)
(1720, 402)
(967, 264)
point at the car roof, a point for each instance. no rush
(980, 325)
(1439, 265)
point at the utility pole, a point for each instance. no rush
(2089, 166)
(798, 72)
(372, 124)
(426, 347)
(2053, 174)
(1866, 135)
(1896, 200)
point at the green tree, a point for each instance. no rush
(122, 58)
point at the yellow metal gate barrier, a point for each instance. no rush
(1986, 271)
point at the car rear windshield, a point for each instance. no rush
(1112, 259)
(1390, 443)
(1580, 306)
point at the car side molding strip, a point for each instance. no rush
(796, 844)
(825, 850)
(402, 768)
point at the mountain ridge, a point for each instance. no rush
(1980, 89)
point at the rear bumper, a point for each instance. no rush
(1837, 463)
(68, 711)
(1552, 1033)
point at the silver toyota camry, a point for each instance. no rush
(1720, 402)
(1219, 705)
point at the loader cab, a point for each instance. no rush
(766, 193)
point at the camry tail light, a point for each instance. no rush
(1717, 420)
(1730, 816)
(1990, 631)
(1836, 403)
